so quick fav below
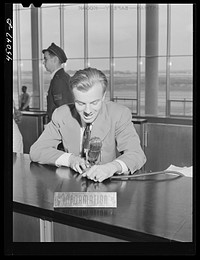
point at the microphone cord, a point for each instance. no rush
(134, 176)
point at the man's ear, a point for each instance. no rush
(56, 59)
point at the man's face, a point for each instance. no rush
(89, 103)
(48, 62)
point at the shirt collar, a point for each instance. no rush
(54, 72)
(84, 126)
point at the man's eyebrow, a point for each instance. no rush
(90, 102)
(76, 100)
(95, 100)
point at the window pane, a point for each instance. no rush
(142, 87)
(14, 34)
(103, 65)
(50, 25)
(181, 29)
(143, 28)
(25, 33)
(125, 82)
(74, 30)
(181, 86)
(125, 30)
(162, 29)
(15, 84)
(98, 30)
(162, 83)
(26, 79)
(73, 65)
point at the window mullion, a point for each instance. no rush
(168, 60)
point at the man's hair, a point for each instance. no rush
(84, 79)
(52, 54)
(24, 88)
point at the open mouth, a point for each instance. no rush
(88, 117)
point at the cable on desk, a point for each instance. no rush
(134, 176)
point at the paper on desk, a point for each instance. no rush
(187, 171)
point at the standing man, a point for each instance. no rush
(24, 99)
(59, 92)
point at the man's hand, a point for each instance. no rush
(101, 172)
(77, 163)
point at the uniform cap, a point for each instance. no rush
(57, 51)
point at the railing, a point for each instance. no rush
(185, 110)
(129, 102)
(173, 110)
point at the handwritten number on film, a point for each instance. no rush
(8, 48)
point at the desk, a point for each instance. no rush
(149, 210)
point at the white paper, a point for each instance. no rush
(186, 171)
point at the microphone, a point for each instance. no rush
(94, 150)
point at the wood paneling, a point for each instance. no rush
(25, 228)
(168, 144)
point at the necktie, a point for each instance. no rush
(86, 139)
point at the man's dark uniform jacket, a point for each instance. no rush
(59, 92)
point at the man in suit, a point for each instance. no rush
(59, 92)
(109, 121)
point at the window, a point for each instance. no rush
(84, 31)
(22, 62)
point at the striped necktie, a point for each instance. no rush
(86, 139)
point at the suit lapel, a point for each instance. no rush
(101, 125)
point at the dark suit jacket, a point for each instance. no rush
(113, 126)
(59, 92)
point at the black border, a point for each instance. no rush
(11, 248)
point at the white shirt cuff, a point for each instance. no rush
(123, 165)
(63, 160)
